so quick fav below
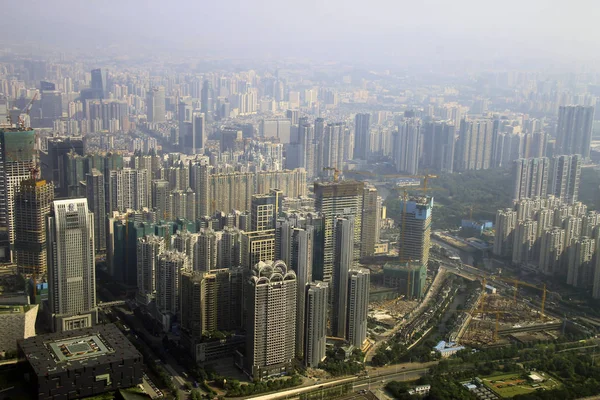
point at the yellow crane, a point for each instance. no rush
(336, 173)
(497, 312)
(517, 282)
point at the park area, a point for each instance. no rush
(510, 385)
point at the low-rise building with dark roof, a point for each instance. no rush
(81, 363)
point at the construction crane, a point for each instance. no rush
(26, 110)
(497, 324)
(472, 208)
(517, 282)
(336, 173)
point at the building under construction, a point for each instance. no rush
(409, 278)
(498, 320)
(32, 204)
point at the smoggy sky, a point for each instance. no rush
(381, 32)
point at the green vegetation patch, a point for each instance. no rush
(510, 385)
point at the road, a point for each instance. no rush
(433, 288)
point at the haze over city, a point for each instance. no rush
(267, 200)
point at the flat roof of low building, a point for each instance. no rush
(57, 352)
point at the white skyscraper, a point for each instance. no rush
(315, 324)
(270, 320)
(358, 306)
(71, 265)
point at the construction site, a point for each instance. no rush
(498, 320)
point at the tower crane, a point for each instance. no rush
(26, 110)
(336, 173)
(517, 282)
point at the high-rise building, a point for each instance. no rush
(97, 203)
(530, 177)
(206, 251)
(161, 198)
(169, 266)
(414, 242)
(295, 247)
(207, 99)
(99, 82)
(551, 251)
(148, 249)
(371, 216)
(129, 189)
(270, 320)
(155, 103)
(32, 205)
(257, 246)
(358, 306)
(407, 146)
(333, 200)
(17, 159)
(315, 323)
(525, 238)
(475, 144)
(438, 146)
(362, 134)
(332, 147)
(265, 209)
(343, 261)
(199, 134)
(211, 301)
(574, 130)
(71, 265)
(54, 161)
(564, 178)
(580, 265)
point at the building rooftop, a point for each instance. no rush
(59, 352)
(10, 309)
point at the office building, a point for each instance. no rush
(343, 261)
(270, 320)
(55, 160)
(574, 130)
(475, 145)
(32, 205)
(370, 221)
(155, 103)
(362, 135)
(99, 83)
(333, 200)
(407, 146)
(207, 99)
(414, 242)
(358, 306)
(148, 249)
(265, 210)
(83, 363)
(97, 202)
(71, 265)
(257, 246)
(17, 159)
(530, 177)
(315, 323)
(199, 133)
